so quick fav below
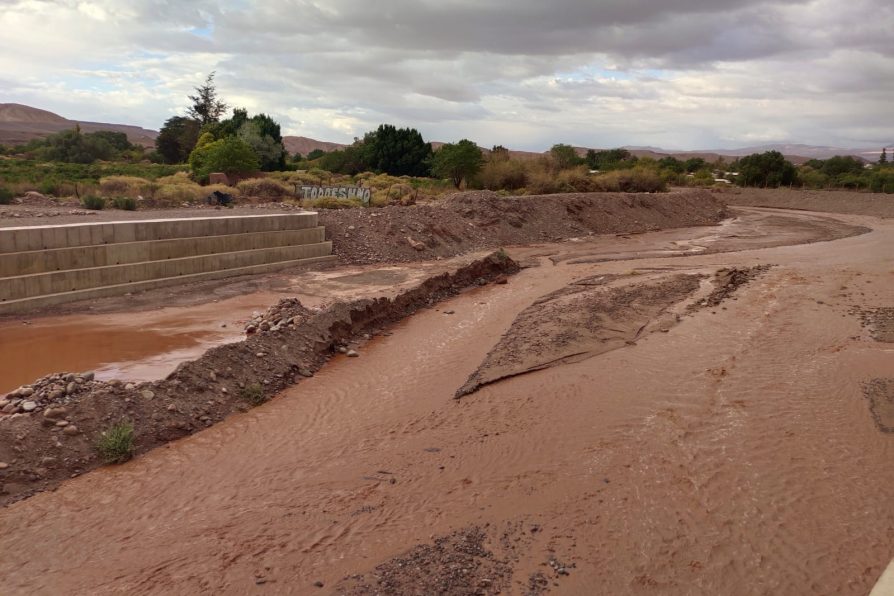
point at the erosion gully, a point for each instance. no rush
(734, 454)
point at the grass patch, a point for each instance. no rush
(125, 203)
(6, 196)
(115, 444)
(93, 202)
(253, 394)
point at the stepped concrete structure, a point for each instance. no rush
(49, 265)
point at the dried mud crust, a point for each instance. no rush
(880, 393)
(480, 220)
(580, 321)
(288, 343)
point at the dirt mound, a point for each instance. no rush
(580, 321)
(48, 429)
(480, 220)
(455, 565)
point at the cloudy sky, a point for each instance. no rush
(681, 74)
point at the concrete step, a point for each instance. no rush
(83, 257)
(31, 238)
(29, 304)
(57, 282)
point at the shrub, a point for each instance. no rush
(6, 196)
(176, 178)
(125, 203)
(93, 202)
(633, 180)
(49, 186)
(178, 193)
(230, 155)
(125, 186)
(265, 188)
(115, 444)
(253, 394)
(503, 175)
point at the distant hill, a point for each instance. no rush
(795, 153)
(20, 124)
(305, 145)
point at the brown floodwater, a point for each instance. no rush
(734, 454)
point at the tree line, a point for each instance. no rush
(244, 144)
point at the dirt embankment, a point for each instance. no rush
(599, 314)
(829, 201)
(582, 320)
(458, 224)
(48, 429)
(480, 220)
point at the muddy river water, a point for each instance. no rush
(735, 453)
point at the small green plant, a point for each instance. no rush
(5, 196)
(93, 202)
(49, 186)
(253, 394)
(125, 203)
(115, 444)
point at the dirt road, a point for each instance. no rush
(739, 445)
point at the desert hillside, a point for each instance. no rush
(20, 124)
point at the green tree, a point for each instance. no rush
(883, 158)
(270, 152)
(261, 132)
(672, 163)
(177, 139)
(499, 153)
(315, 154)
(610, 159)
(396, 151)
(206, 107)
(564, 156)
(694, 164)
(230, 155)
(457, 162)
(116, 140)
(839, 165)
(344, 161)
(72, 146)
(769, 169)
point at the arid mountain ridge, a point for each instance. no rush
(20, 124)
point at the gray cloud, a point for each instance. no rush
(684, 73)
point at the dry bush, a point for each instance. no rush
(178, 178)
(503, 175)
(173, 194)
(633, 180)
(266, 188)
(125, 186)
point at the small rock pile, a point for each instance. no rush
(287, 313)
(55, 389)
(49, 395)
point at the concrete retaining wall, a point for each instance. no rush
(60, 259)
(49, 265)
(91, 234)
